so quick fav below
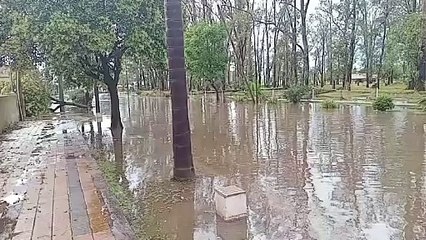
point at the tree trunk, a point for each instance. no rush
(367, 42)
(267, 69)
(351, 47)
(414, 5)
(216, 90)
(116, 124)
(330, 47)
(20, 97)
(139, 82)
(420, 83)
(97, 107)
(12, 84)
(87, 99)
(262, 61)
(314, 79)
(294, 42)
(61, 92)
(256, 56)
(182, 153)
(118, 152)
(303, 11)
(382, 52)
(275, 83)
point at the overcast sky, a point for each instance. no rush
(312, 6)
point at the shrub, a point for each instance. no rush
(329, 104)
(241, 98)
(295, 93)
(383, 103)
(5, 87)
(36, 94)
(272, 100)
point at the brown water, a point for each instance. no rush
(310, 173)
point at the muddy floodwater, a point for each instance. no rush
(309, 173)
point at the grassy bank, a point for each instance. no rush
(357, 94)
(397, 91)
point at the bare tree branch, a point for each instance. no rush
(64, 103)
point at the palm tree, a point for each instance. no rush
(182, 153)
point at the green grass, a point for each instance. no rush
(358, 93)
(397, 91)
(154, 93)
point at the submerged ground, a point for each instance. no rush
(309, 173)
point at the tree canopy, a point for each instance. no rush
(90, 37)
(83, 39)
(206, 52)
(404, 47)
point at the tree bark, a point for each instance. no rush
(351, 48)
(268, 60)
(275, 72)
(322, 60)
(216, 90)
(303, 13)
(420, 83)
(367, 43)
(97, 106)
(382, 51)
(258, 77)
(294, 44)
(61, 92)
(116, 124)
(330, 46)
(182, 153)
(139, 82)
(20, 96)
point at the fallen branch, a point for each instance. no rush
(64, 103)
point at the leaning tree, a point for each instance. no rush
(90, 38)
(93, 36)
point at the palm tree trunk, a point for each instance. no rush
(182, 153)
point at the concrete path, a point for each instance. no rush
(47, 186)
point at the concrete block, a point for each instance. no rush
(231, 202)
(9, 112)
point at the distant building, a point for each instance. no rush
(362, 77)
(4, 73)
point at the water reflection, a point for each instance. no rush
(309, 173)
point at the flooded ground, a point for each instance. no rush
(310, 173)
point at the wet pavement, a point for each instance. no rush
(47, 185)
(309, 173)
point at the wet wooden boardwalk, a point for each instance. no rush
(47, 187)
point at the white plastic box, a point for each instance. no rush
(231, 202)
